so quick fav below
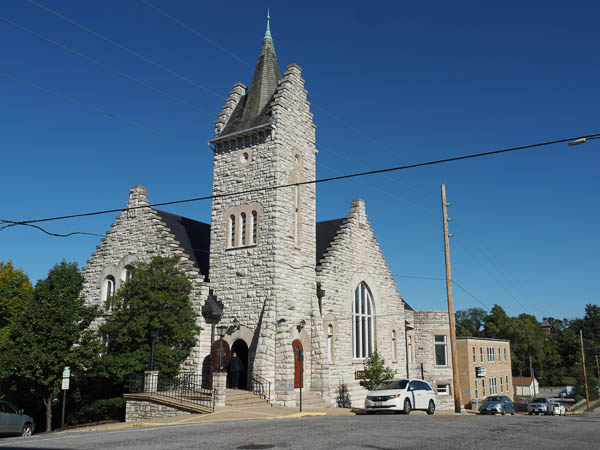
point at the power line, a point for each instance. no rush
(96, 109)
(179, 22)
(321, 180)
(105, 66)
(125, 49)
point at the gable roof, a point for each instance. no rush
(194, 237)
(326, 231)
(522, 381)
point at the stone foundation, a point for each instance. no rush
(136, 410)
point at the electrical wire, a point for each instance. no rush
(320, 180)
(125, 49)
(107, 67)
(98, 110)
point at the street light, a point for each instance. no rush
(153, 336)
(581, 140)
(221, 330)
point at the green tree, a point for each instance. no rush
(155, 298)
(375, 372)
(470, 322)
(51, 333)
(15, 291)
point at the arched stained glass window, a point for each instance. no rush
(330, 343)
(232, 230)
(254, 226)
(108, 290)
(362, 322)
(243, 216)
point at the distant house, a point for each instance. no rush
(526, 386)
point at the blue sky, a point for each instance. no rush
(390, 83)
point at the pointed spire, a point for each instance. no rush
(265, 80)
(268, 32)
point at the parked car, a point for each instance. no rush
(497, 404)
(558, 409)
(567, 392)
(540, 405)
(401, 396)
(13, 421)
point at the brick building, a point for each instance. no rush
(484, 369)
(286, 281)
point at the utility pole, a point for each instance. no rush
(455, 384)
(598, 367)
(532, 375)
(587, 394)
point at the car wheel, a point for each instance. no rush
(512, 412)
(431, 408)
(370, 412)
(27, 430)
(407, 406)
(503, 412)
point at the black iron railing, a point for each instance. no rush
(185, 387)
(262, 388)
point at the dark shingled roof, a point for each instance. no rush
(253, 109)
(326, 231)
(407, 306)
(194, 237)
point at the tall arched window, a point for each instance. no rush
(108, 290)
(254, 226)
(394, 347)
(232, 230)
(243, 217)
(362, 322)
(330, 343)
(126, 273)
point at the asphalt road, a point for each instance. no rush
(359, 432)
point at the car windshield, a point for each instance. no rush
(538, 400)
(493, 399)
(392, 384)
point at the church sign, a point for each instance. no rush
(360, 375)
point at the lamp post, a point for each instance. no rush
(221, 330)
(153, 336)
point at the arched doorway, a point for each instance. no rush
(298, 363)
(241, 349)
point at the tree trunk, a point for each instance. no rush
(48, 404)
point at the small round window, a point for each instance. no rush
(245, 157)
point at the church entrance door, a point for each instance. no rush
(298, 363)
(241, 349)
(219, 347)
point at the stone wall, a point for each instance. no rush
(354, 256)
(136, 410)
(427, 325)
(138, 235)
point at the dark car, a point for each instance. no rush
(13, 421)
(500, 404)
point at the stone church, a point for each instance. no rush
(265, 268)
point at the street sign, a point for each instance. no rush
(67, 372)
(65, 384)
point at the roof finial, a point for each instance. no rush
(268, 32)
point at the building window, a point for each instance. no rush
(362, 322)
(493, 386)
(501, 385)
(243, 219)
(443, 389)
(126, 273)
(474, 354)
(507, 388)
(108, 290)
(254, 226)
(441, 351)
(505, 357)
(491, 354)
(499, 355)
(232, 230)
(481, 354)
(330, 343)
(483, 387)
(394, 347)
(476, 388)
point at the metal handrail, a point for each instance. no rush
(185, 387)
(262, 388)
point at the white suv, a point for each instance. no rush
(401, 396)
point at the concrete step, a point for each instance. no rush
(238, 397)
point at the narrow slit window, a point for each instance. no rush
(243, 219)
(254, 226)
(232, 230)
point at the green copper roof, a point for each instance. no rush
(268, 32)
